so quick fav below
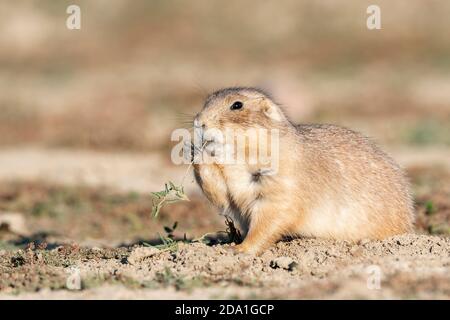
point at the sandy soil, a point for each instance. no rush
(116, 265)
(410, 266)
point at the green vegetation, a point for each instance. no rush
(429, 208)
(430, 132)
(170, 194)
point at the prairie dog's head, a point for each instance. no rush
(239, 108)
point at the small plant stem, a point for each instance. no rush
(190, 164)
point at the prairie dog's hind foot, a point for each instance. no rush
(243, 249)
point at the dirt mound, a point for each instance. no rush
(409, 266)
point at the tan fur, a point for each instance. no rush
(332, 182)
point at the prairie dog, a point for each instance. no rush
(331, 182)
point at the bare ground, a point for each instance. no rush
(103, 233)
(411, 266)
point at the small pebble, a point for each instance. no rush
(283, 263)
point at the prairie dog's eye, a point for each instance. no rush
(236, 105)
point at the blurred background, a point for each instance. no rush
(86, 115)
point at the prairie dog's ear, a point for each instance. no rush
(272, 111)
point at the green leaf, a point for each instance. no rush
(182, 196)
(159, 194)
(429, 208)
(156, 208)
(170, 194)
(172, 185)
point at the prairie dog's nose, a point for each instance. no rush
(198, 131)
(198, 124)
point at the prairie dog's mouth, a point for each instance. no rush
(200, 139)
(206, 138)
(199, 134)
